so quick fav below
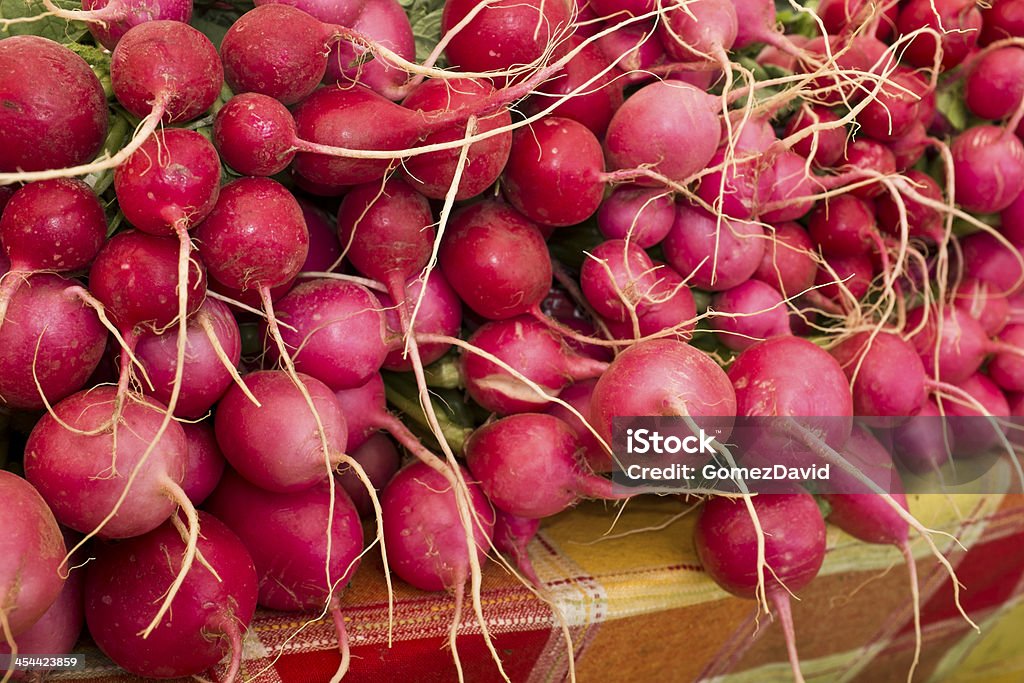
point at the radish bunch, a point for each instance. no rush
(257, 285)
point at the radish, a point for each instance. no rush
(894, 110)
(385, 24)
(204, 464)
(975, 432)
(718, 254)
(748, 313)
(617, 279)
(887, 377)
(277, 443)
(988, 164)
(978, 299)
(664, 378)
(555, 172)
(854, 271)
(532, 350)
(922, 221)
(670, 128)
(432, 174)
(324, 249)
(640, 215)
(988, 93)
(212, 350)
(924, 443)
(844, 226)
(52, 341)
(496, 260)
(1007, 366)
(1004, 19)
(56, 114)
(778, 555)
(336, 330)
(528, 465)
(32, 557)
(787, 263)
(440, 312)
(952, 346)
(109, 20)
(579, 396)
(502, 35)
(211, 611)
(958, 22)
(667, 308)
(511, 536)
(988, 259)
(699, 30)
(747, 173)
(824, 146)
(380, 460)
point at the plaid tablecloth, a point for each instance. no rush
(639, 608)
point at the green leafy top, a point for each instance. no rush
(54, 28)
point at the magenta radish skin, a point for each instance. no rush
(667, 305)
(380, 460)
(989, 92)
(204, 465)
(58, 112)
(705, 27)
(338, 334)
(787, 264)
(260, 219)
(58, 630)
(831, 142)
(792, 187)
(166, 62)
(960, 350)
(887, 375)
(440, 313)
(423, 531)
(73, 471)
(504, 34)
(641, 215)
(987, 259)
(286, 535)
(664, 377)
(957, 21)
(324, 249)
(275, 50)
(255, 134)
(973, 435)
(385, 22)
(362, 406)
(277, 446)
(794, 542)
(534, 350)
(57, 225)
(554, 172)
(204, 377)
(511, 537)
(579, 396)
(50, 336)
(130, 13)
(988, 165)
(854, 271)
(617, 277)
(431, 174)
(673, 127)
(922, 221)
(924, 443)
(126, 584)
(1006, 367)
(691, 247)
(761, 312)
(33, 550)
(135, 277)
(843, 226)
(979, 300)
(496, 260)
(174, 176)
(528, 466)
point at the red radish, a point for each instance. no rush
(841, 16)
(988, 164)
(324, 249)
(533, 350)
(924, 443)
(988, 92)
(748, 313)
(127, 580)
(867, 155)
(385, 24)
(529, 466)
(987, 259)
(787, 263)
(665, 378)
(511, 536)
(637, 214)
(824, 147)
(894, 110)
(886, 374)
(83, 473)
(440, 313)
(56, 111)
(617, 279)
(278, 445)
(595, 97)
(579, 395)
(958, 22)
(952, 346)
(50, 336)
(672, 128)
(854, 271)
(922, 221)
(212, 350)
(791, 193)
(719, 254)
(1011, 221)
(699, 29)
(496, 260)
(554, 174)
(432, 174)
(667, 306)
(380, 460)
(844, 226)
(979, 300)
(424, 532)
(204, 464)
(363, 408)
(979, 427)
(335, 330)
(608, 8)
(1003, 19)
(793, 536)
(504, 34)
(1007, 365)
(744, 182)
(31, 555)
(109, 20)
(165, 71)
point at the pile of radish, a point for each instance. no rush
(242, 256)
